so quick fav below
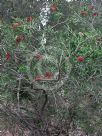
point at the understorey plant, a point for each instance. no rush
(50, 77)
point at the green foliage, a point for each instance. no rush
(67, 38)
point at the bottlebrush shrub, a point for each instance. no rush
(71, 51)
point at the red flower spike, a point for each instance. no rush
(38, 78)
(38, 56)
(53, 7)
(83, 13)
(19, 39)
(8, 56)
(95, 14)
(29, 19)
(48, 75)
(90, 7)
(80, 58)
(15, 25)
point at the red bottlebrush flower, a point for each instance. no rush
(53, 7)
(80, 58)
(83, 13)
(8, 56)
(29, 19)
(38, 56)
(14, 25)
(19, 39)
(38, 78)
(90, 7)
(94, 14)
(48, 75)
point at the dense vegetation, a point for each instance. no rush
(51, 75)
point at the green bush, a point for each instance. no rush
(54, 71)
